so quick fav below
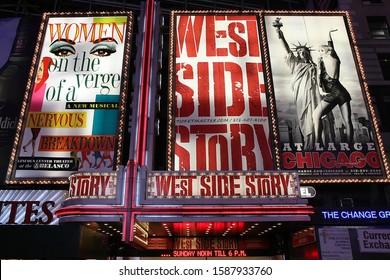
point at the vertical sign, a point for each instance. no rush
(220, 112)
(72, 118)
(324, 114)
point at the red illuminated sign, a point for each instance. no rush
(208, 253)
(220, 106)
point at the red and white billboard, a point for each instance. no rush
(325, 124)
(218, 105)
(72, 117)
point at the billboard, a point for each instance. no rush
(270, 90)
(218, 112)
(324, 120)
(72, 118)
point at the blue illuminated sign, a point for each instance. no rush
(355, 214)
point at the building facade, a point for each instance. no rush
(187, 144)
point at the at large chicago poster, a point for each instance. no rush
(323, 112)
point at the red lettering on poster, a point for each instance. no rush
(329, 160)
(221, 113)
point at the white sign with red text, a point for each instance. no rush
(214, 185)
(92, 185)
(220, 105)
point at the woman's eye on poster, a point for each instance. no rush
(62, 48)
(104, 48)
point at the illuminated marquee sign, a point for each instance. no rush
(30, 207)
(201, 243)
(210, 246)
(73, 111)
(218, 185)
(93, 185)
(217, 93)
(208, 253)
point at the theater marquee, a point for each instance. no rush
(104, 188)
(72, 117)
(223, 187)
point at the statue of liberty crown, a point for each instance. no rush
(300, 46)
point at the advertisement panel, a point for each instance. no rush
(73, 111)
(208, 246)
(324, 118)
(218, 112)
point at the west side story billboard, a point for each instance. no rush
(221, 116)
(263, 90)
(72, 118)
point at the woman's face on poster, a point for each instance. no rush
(40, 72)
(100, 48)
